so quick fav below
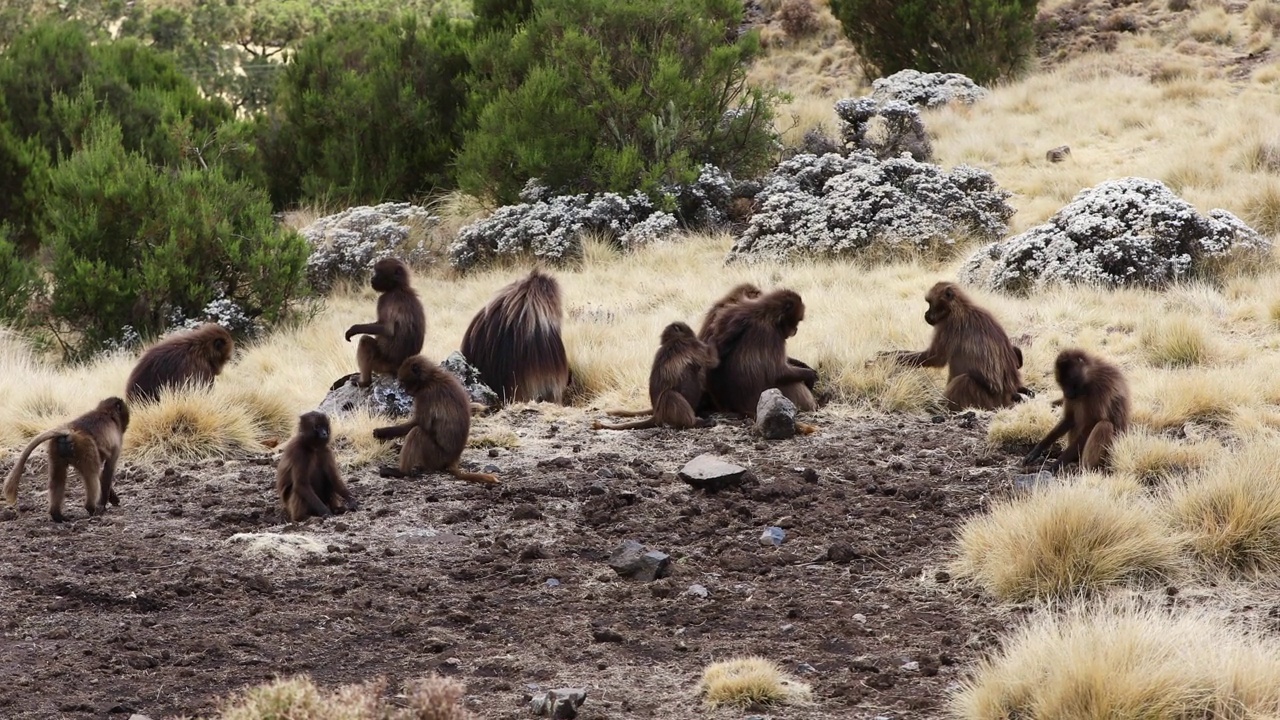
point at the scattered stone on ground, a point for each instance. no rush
(711, 473)
(632, 559)
(775, 415)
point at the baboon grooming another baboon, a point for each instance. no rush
(514, 341)
(401, 326)
(194, 356)
(676, 382)
(91, 444)
(1095, 409)
(307, 478)
(751, 340)
(436, 435)
(981, 361)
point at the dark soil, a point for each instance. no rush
(154, 609)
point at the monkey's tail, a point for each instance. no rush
(11, 484)
(461, 474)
(633, 425)
(629, 413)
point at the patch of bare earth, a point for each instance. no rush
(153, 609)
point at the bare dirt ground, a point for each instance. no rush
(154, 609)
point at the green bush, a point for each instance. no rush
(139, 86)
(598, 95)
(368, 111)
(19, 281)
(135, 245)
(24, 165)
(984, 39)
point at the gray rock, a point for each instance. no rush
(698, 591)
(633, 560)
(136, 716)
(385, 397)
(772, 536)
(561, 703)
(775, 415)
(711, 473)
(1058, 154)
(1031, 481)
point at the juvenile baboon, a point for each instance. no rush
(194, 356)
(514, 341)
(1095, 409)
(982, 363)
(307, 478)
(91, 444)
(676, 382)
(401, 325)
(436, 435)
(751, 340)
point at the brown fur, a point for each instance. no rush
(982, 364)
(401, 326)
(194, 356)
(514, 341)
(676, 382)
(436, 435)
(91, 444)
(1095, 409)
(307, 478)
(751, 339)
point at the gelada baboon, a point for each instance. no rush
(1095, 409)
(91, 444)
(982, 363)
(514, 341)
(307, 477)
(193, 356)
(401, 326)
(436, 435)
(751, 340)
(676, 382)
(742, 293)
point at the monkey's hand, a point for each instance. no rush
(384, 433)
(352, 504)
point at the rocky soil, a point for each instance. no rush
(195, 587)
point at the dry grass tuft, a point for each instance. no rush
(751, 681)
(1177, 341)
(1023, 424)
(297, 698)
(190, 425)
(1212, 25)
(1064, 540)
(1231, 511)
(1119, 661)
(1152, 458)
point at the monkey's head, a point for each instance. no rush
(677, 332)
(785, 309)
(217, 344)
(942, 299)
(389, 274)
(417, 373)
(313, 427)
(118, 410)
(1071, 370)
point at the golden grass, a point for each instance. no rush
(1124, 661)
(1152, 458)
(1023, 424)
(750, 681)
(298, 698)
(1231, 511)
(1178, 341)
(1064, 540)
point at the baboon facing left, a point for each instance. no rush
(751, 339)
(400, 329)
(194, 356)
(91, 444)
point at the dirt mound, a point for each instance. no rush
(188, 592)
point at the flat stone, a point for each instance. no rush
(711, 473)
(1031, 481)
(633, 560)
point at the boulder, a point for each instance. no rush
(775, 415)
(632, 559)
(711, 473)
(385, 397)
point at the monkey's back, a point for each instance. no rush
(403, 310)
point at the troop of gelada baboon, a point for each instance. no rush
(514, 343)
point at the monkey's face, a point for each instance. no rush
(1071, 372)
(389, 274)
(415, 374)
(314, 426)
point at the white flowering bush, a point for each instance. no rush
(346, 245)
(886, 129)
(1127, 232)
(551, 228)
(832, 206)
(927, 89)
